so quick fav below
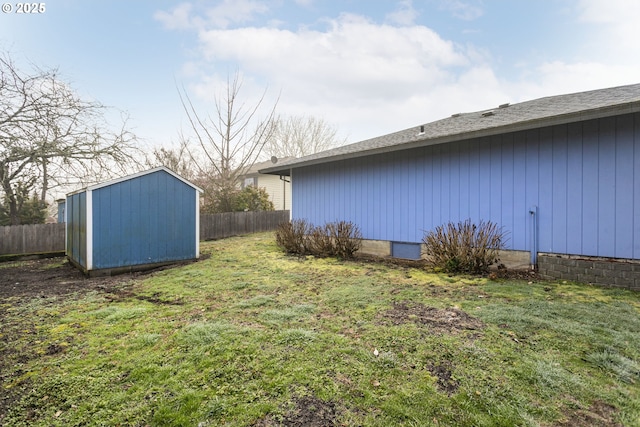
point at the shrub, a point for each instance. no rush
(464, 247)
(346, 237)
(252, 199)
(292, 236)
(320, 241)
(228, 198)
(340, 239)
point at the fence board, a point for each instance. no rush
(41, 238)
(32, 238)
(219, 226)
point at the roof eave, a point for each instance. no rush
(596, 113)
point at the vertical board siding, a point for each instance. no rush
(575, 177)
(61, 210)
(624, 186)
(507, 182)
(521, 216)
(76, 208)
(145, 220)
(581, 177)
(636, 188)
(32, 238)
(545, 190)
(484, 180)
(607, 183)
(221, 225)
(559, 193)
(590, 180)
(531, 188)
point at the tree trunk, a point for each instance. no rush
(14, 214)
(45, 182)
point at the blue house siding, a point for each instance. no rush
(579, 177)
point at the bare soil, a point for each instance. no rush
(50, 277)
(445, 320)
(306, 411)
(600, 414)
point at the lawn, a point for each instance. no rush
(248, 336)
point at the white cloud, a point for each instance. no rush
(465, 10)
(615, 29)
(353, 71)
(606, 56)
(558, 77)
(352, 52)
(404, 15)
(222, 15)
(305, 3)
(179, 18)
(370, 78)
(235, 12)
(610, 11)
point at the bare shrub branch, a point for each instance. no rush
(340, 239)
(464, 247)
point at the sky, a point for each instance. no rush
(367, 67)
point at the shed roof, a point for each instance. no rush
(136, 175)
(548, 111)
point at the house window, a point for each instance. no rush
(250, 182)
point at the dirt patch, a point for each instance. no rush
(306, 411)
(447, 320)
(445, 382)
(600, 414)
(494, 273)
(120, 294)
(523, 274)
(50, 277)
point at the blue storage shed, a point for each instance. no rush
(558, 174)
(132, 223)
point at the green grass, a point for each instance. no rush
(244, 336)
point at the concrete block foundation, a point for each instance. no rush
(611, 272)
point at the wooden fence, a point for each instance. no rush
(44, 238)
(31, 239)
(219, 226)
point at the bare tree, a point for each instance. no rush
(228, 143)
(298, 136)
(49, 136)
(178, 160)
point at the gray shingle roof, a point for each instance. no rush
(541, 112)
